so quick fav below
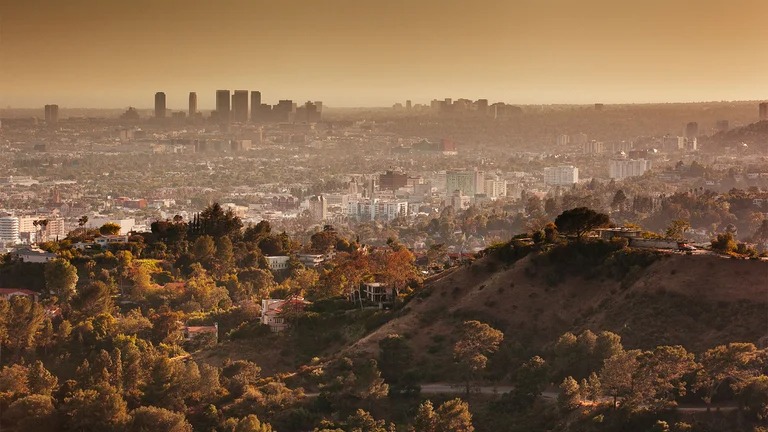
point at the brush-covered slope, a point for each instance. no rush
(649, 298)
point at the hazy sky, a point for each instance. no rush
(115, 53)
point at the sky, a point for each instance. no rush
(118, 53)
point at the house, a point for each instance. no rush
(277, 263)
(7, 293)
(274, 311)
(311, 260)
(609, 233)
(107, 240)
(375, 292)
(193, 332)
(34, 255)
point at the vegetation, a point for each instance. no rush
(112, 342)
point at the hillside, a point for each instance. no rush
(695, 301)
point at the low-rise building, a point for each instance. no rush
(34, 255)
(277, 263)
(276, 313)
(8, 293)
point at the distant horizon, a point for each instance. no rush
(328, 106)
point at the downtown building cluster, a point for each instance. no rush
(243, 106)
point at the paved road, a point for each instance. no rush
(443, 388)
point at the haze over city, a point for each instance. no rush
(109, 54)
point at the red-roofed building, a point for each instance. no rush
(7, 293)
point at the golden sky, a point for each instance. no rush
(115, 53)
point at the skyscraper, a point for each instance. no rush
(255, 106)
(159, 105)
(692, 130)
(192, 104)
(764, 111)
(222, 106)
(240, 106)
(51, 114)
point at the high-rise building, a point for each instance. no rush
(561, 176)
(463, 181)
(318, 208)
(256, 106)
(222, 106)
(622, 168)
(240, 106)
(691, 130)
(159, 105)
(763, 108)
(51, 114)
(594, 147)
(192, 104)
(9, 229)
(495, 188)
(408, 105)
(392, 180)
(722, 125)
(563, 140)
(283, 111)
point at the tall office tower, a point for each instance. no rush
(222, 106)
(240, 106)
(408, 105)
(192, 104)
(159, 105)
(763, 111)
(256, 106)
(692, 130)
(283, 111)
(51, 114)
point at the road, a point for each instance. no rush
(550, 395)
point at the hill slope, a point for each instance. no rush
(695, 301)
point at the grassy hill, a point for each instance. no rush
(648, 298)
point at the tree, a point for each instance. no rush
(61, 279)
(569, 397)
(724, 243)
(24, 319)
(677, 229)
(100, 408)
(617, 375)
(735, 363)
(580, 220)
(530, 380)
(476, 342)
(395, 357)
(225, 257)
(33, 413)
(153, 419)
(659, 378)
(754, 397)
(619, 199)
(454, 416)
(216, 222)
(204, 249)
(41, 381)
(363, 421)
(109, 229)
(425, 420)
(94, 298)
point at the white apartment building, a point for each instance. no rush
(459, 201)
(563, 140)
(561, 176)
(277, 263)
(622, 168)
(9, 229)
(495, 188)
(469, 183)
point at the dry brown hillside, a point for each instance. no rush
(695, 301)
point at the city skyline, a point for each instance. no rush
(110, 55)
